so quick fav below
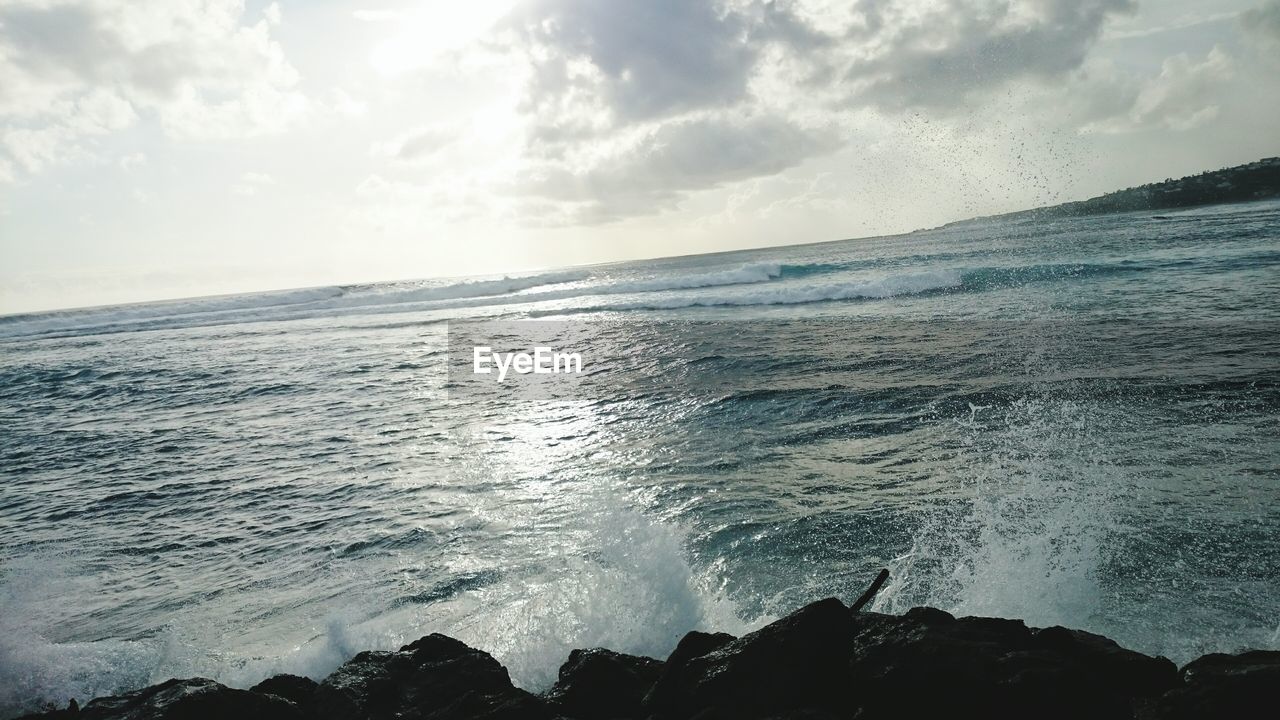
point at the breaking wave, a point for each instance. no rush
(795, 294)
(630, 588)
(40, 323)
(601, 288)
(282, 305)
(374, 299)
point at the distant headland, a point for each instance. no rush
(1259, 180)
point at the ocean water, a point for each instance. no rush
(1072, 421)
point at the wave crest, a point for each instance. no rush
(796, 294)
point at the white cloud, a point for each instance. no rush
(343, 103)
(35, 146)
(134, 160)
(429, 30)
(72, 71)
(417, 145)
(1185, 94)
(251, 183)
(378, 15)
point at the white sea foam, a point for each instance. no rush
(38, 323)
(749, 274)
(741, 275)
(398, 294)
(286, 304)
(376, 299)
(34, 668)
(797, 293)
(635, 593)
(628, 587)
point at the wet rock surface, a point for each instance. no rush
(434, 677)
(298, 690)
(191, 699)
(598, 684)
(822, 661)
(1246, 685)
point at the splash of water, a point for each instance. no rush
(625, 584)
(1032, 535)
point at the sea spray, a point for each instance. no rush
(628, 587)
(1031, 538)
(35, 667)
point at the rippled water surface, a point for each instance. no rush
(1074, 422)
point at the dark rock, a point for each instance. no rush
(298, 690)
(821, 662)
(928, 662)
(795, 663)
(194, 699)
(1246, 685)
(696, 644)
(600, 684)
(435, 677)
(1111, 668)
(51, 711)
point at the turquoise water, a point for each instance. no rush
(1073, 421)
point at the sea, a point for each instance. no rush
(1073, 421)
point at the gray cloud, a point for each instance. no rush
(653, 58)
(940, 59)
(76, 43)
(633, 105)
(676, 158)
(1263, 22)
(601, 69)
(663, 57)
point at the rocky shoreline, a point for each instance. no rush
(825, 660)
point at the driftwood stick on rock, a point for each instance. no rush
(871, 591)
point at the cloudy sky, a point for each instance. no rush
(167, 148)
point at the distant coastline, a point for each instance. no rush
(1259, 180)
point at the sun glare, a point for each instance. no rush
(430, 29)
